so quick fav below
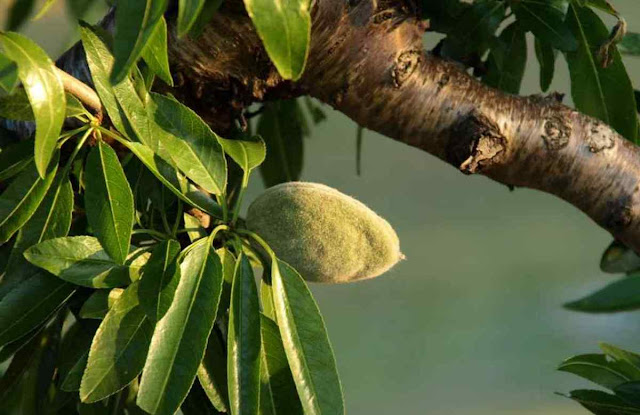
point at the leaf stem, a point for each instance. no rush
(151, 232)
(75, 152)
(260, 241)
(238, 205)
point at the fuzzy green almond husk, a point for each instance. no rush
(324, 234)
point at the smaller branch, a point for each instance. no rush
(80, 90)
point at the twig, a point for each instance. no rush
(80, 90)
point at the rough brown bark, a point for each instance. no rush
(367, 61)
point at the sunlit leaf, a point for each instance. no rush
(243, 344)
(45, 92)
(180, 337)
(306, 343)
(155, 52)
(285, 30)
(136, 22)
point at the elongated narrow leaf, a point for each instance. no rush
(306, 343)
(188, 11)
(285, 30)
(118, 350)
(206, 14)
(278, 393)
(125, 108)
(507, 60)
(167, 175)
(99, 303)
(45, 91)
(8, 73)
(74, 354)
(31, 303)
(629, 361)
(630, 392)
(266, 300)
(243, 344)
(604, 93)
(280, 127)
(228, 261)
(15, 158)
(596, 368)
(546, 56)
(249, 154)
(622, 295)
(135, 24)
(23, 196)
(212, 373)
(193, 146)
(160, 280)
(602, 403)
(180, 337)
(80, 260)
(155, 53)
(546, 19)
(108, 201)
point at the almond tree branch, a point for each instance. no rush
(367, 61)
(80, 90)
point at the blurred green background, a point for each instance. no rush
(471, 323)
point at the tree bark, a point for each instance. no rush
(366, 60)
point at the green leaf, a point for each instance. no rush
(281, 130)
(249, 154)
(167, 175)
(617, 258)
(99, 303)
(193, 146)
(285, 30)
(630, 44)
(80, 260)
(228, 272)
(74, 354)
(471, 31)
(155, 53)
(546, 19)
(8, 74)
(622, 295)
(23, 196)
(108, 201)
(180, 338)
(546, 56)
(30, 303)
(596, 368)
(160, 279)
(196, 231)
(630, 362)
(604, 93)
(266, 299)
(630, 392)
(14, 158)
(507, 60)
(188, 11)
(278, 393)
(306, 343)
(45, 91)
(602, 403)
(603, 5)
(121, 100)
(206, 14)
(135, 24)
(212, 373)
(118, 350)
(243, 344)
(53, 217)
